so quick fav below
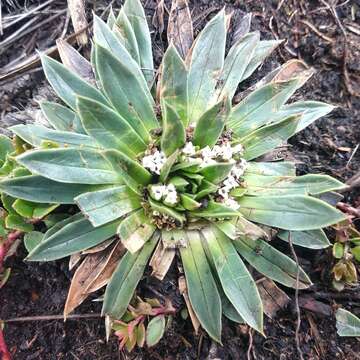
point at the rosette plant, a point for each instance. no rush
(172, 163)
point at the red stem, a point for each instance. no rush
(4, 353)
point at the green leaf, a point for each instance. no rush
(295, 212)
(71, 166)
(128, 168)
(205, 61)
(67, 84)
(35, 135)
(108, 128)
(173, 88)
(6, 147)
(7, 202)
(310, 110)
(312, 184)
(61, 223)
(29, 209)
(61, 117)
(136, 15)
(338, 250)
(262, 51)
(268, 137)
(155, 330)
(124, 280)
(260, 106)
(32, 239)
(42, 190)
(125, 33)
(135, 230)
(312, 239)
(202, 289)
(126, 93)
(211, 124)
(173, 135)
(271, 262)
(74, 237)
(17, 222)
(170, 161)
(347, 324)
(236, 63)
(216, 173)
(103, 206)
(236, 281)
(204, 189)
(189, 203)
(111, 19)
(215, 210)
(165, 210)
(280, 168)
(356, 252)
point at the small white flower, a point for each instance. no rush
(154, 162)
(189, 149)
(238, 149)
(171, 198)
(171, 188)
(231, 203)
(158, 191)
(206, 153)
(227, 152)
(224, 192)
(230, 182)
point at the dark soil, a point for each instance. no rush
(327, 146)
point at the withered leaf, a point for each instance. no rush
(180, 28)
(161, 260)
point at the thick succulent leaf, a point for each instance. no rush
(268, 137)
(123, 283)
(262, 51)
(312, 184)
(215, 210)
(32, 239)
(294, 212)
(136, 15)
(125, 92)
(170, 161)
(6, 147)
(215, 173)
(135, 231)
(211, 124)
(347, 324)
(71, 166)
(32, 210)
(67, 84)
(155, 330)
(206, 60)
(173, 135)
(310, 110)
(236, 281)
(17, 222)
(111, 19)
(180, 28)
(271, 262)
(281, 168)
(202, 289)
(125, 33)
(312, 239)
(108, 128)
(74, 61)
(235, 64)
(62, 223)
(37, 135)
(132, 173)
(204, 189)
(189, 203)
(42, 190)
(165, 210)
(107, 39)
(174, 83)
(260, 106)
(103, 206)
(61, 117)
(74, 237)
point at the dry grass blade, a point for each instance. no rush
(184, 292)
(78, 18)
(180, 27)
(273, 298)
(74, 61)
(161, 261)
(93, 273)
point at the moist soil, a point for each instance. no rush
(314, 33)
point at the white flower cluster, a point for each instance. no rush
(167, 193)
(154, 162)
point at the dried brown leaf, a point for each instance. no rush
(99, 247)
(95, 270)
(272, 297)
(161, 260)
(158, 18)
(180, 28)
(183, 290)
(78, 18)
(74, 260)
